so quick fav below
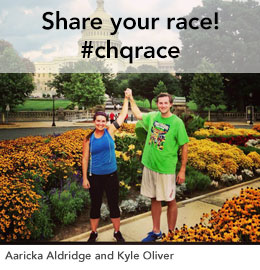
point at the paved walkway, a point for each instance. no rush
(189, 212)
(59, 124)
(24, 129)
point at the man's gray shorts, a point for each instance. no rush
(160, 186)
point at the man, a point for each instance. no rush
(166, 133)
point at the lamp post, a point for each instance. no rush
(251, 109)
(53, 111)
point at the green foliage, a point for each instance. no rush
(85, 89)
(185, 82)
(129, 167)
(223, 47)
(207, 89)
(143, 84)
(141, 132)
(159, 88)
(192, 122)
(15, 86)
(67, 203)
(41, 225)
(14, 89)
(124, 190)
(11, 62)
(248, 149)
(122, 143)
(129, 171)
(195, 180)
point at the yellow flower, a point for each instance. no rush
(139, 152)
(125, 157)
(131, 147)
(118, 154)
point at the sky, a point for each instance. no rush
(21, 24)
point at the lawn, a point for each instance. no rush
(146, 104)
(191, 105)
(42, 105)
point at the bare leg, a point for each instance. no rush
(116, 223)
(172, 214)
(156, 209)
(94, 224)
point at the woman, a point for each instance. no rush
(100, 161)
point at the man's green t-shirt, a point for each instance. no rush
(164, 137)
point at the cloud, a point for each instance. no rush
(27, 11)
(21, 23)
(77, 8)
(151, 8)
(56, 48)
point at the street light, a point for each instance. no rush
(53, 111)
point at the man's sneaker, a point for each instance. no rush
(118, 237)
(152, 237)
(93, 237)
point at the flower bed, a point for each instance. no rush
(30, 168)
(237, 221)
(40, 180)
(218, 125)
(218, 159)
(256, 127)
(226, 132)
(234, 140)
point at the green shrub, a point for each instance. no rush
(141, 132)
(122, 143)
(195, 180)
(67, 203)
(40, 224)
(248, 149)
(192, 122)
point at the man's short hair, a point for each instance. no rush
(164, 95)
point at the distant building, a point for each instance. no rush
(45, 71)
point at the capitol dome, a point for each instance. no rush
(100, 37)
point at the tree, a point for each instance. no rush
(159, 88)
(207, 90)
(233, 47)
(11, 62)
(90, 66)
(15, 87)
(143, 84)
(237, 89)
(185, 83)
(85, 89)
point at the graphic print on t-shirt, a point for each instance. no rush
(158, 133)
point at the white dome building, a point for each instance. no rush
(100, 37)
(45, 71)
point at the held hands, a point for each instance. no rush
(86, 184)
(128, 93)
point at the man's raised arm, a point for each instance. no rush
(137, 113)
